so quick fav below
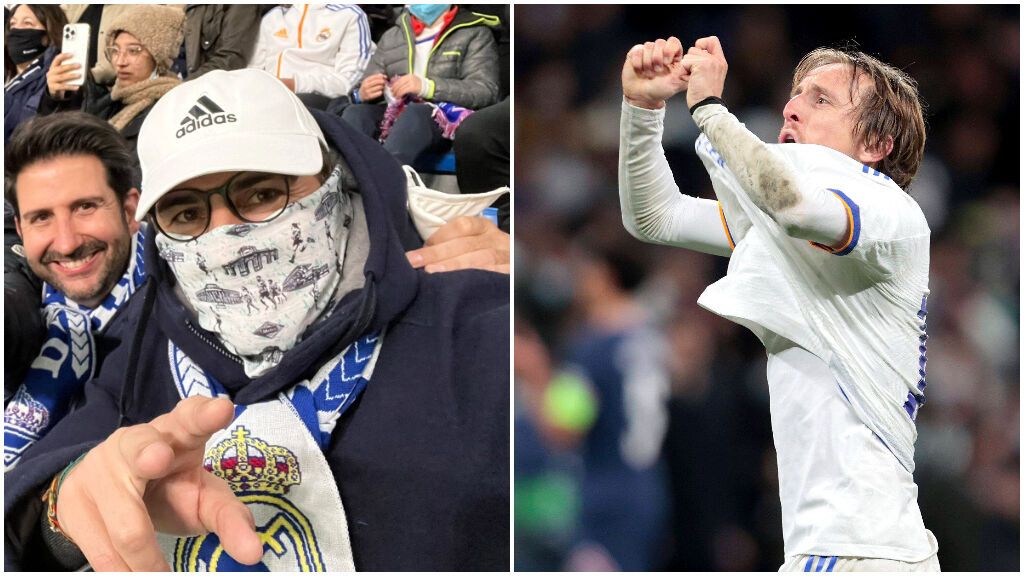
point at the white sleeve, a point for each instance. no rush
(803, 209)
(259, 53)
(888, 232)
(653, 209)
(353, 54)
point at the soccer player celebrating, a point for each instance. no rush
(829, 268)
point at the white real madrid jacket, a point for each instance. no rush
(323, 47)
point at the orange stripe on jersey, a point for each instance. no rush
(725, 225)
(849, 219)
(305, 8)
(852, 223)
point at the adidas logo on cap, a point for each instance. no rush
(204, 112)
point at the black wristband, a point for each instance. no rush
(708, 100)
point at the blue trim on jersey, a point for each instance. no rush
(913, 404)
(807, 567)
(844, 394)
(868, 170)
(831, 564)
(923, 349)
(855, 212)
(362, 23)
(910, 405)
(364, 30)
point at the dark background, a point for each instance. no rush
(724, 499)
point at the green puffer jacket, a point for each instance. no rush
(463, 64)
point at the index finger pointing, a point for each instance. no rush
(193, 421)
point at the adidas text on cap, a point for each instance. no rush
(225, 122)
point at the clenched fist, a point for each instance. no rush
(654, 72)
(706, 69)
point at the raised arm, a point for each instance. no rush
(653, 209)
(807, 212)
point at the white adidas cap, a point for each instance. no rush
(225, 122)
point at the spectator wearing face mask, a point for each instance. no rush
(429, 72)
(32, 39)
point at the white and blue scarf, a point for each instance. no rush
(272, 456)
(67, 360)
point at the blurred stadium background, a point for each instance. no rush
(707, 497)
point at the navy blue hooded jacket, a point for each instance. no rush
(22, 96)
(421, 460)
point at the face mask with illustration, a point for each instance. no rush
(25, 44)
(428, 13)
(259, 286)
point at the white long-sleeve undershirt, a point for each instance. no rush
(654, 210)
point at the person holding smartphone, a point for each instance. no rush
(141, 46)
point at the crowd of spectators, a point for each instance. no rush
(717, 459)
(137, 53)
(330, 55)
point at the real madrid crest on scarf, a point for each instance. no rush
(272, 456)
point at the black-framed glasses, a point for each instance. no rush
(184, 213)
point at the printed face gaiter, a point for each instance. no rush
(259, 286)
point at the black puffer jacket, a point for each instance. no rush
(463, 63)
(23, 321)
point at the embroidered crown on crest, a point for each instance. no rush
(251, 465)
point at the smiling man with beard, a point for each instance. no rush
(70, 182)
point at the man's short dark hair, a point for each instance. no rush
(68, 134)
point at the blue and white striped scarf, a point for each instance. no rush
(67, 360)
(318, 402)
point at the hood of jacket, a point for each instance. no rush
(390, 285)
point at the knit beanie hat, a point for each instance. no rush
(161, 29)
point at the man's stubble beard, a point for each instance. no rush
(112, 268)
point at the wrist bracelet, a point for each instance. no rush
(708, 100)
(50, 496)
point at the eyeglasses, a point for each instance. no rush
(184, 214)
(132, 52)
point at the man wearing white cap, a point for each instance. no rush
(367, 421)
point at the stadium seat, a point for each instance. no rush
(438, 171)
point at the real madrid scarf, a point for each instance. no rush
(67, 360)
(272, 456)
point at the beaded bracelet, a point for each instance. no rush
(50, 496)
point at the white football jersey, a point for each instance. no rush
(845, 335)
